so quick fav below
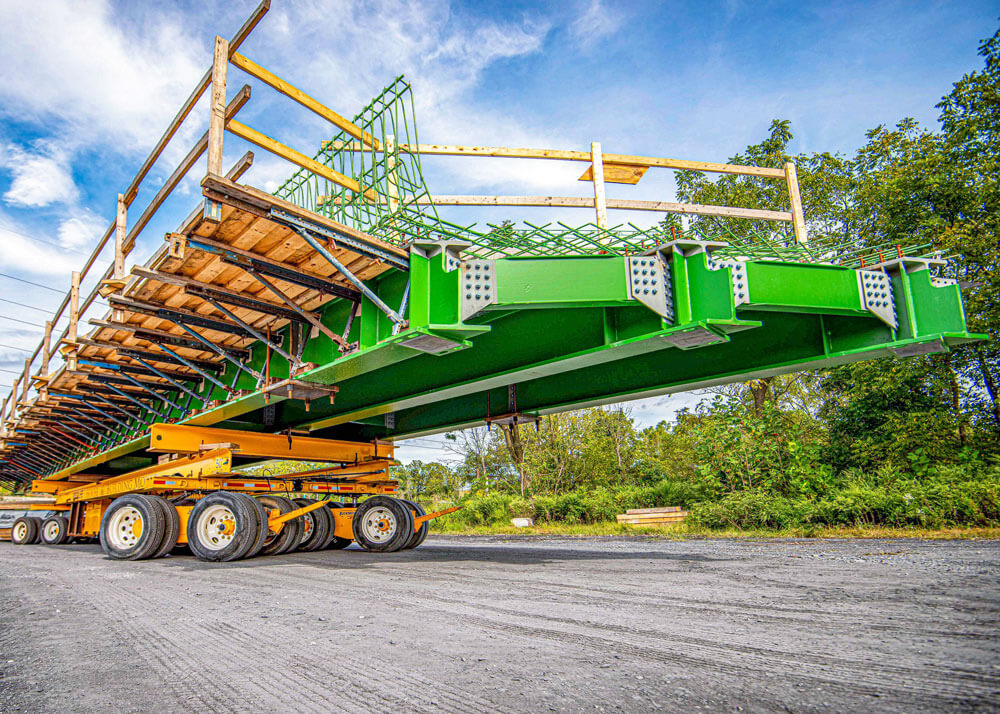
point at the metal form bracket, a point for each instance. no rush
(648, 279)
(264, 266)
(198, 369)
(274, 345)
(306, 315)
(477, 284)
(299, 225)
(351, 277)
(141, 355)
(181, 317)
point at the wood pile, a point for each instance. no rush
(665, 516)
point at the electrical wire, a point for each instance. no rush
(30, 307)
(12, 347)
(43, 240)
(28, 282)
(23, 322)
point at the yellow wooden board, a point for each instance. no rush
(617, 173)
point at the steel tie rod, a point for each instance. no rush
(197, 369)
(351, 277)
(219, 351)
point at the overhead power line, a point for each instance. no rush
(12, 347)
(28, 282)
(23, 322)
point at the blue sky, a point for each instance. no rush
(88, 85)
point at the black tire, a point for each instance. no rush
(118, 537)
(420, 535)
(333, 541)
(316, 526)
(171, 526)
(261, 526)
(54, 530)
(222, 527)
(382, 524)
(290, 534)
(24, 531)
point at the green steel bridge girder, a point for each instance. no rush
(568, 333)
(574, 331)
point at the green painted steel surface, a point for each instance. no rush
(560, 317)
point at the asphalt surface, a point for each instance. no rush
(509, 624)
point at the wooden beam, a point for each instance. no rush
(240, 167)
(600, 201)
(563, 155)
(120, 231)
(290, 154)
(277, 83)
(234, 106)
(798, 217)
(185, 110)
(133, 187)
(617, 173)
(26, 380)
(74, 306)
(46, 349)
(217, 107)
(623, 204)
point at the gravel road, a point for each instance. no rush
(509, 624)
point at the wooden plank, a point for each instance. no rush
(292, 92)
(120, 230)
(624, 204)
(646, 517)
(798, 218)
(563, 155)
(217, 107)
(234, 43)
(237, 103)
(256, 197)
(664, 509)
(46, 349)
(600, 200)
(74, 307)
(298, 158)
(617, 173)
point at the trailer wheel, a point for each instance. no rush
(382, 524)
(290, 535)
(334, 541)
(261, 538)
(132, 527)
(171, 528)
(24, 531)
(222, 527)
(316, 526)
(421, 533)
(55, 530)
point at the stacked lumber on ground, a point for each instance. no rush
(652, 516)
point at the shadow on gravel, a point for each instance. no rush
(502, 553)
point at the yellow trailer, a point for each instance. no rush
(195, 497)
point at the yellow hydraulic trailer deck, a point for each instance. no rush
(194, 496)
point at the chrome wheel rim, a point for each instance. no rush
(125, 528)
(51, 531)
(307, 527)
(379, 525)
(216, 527)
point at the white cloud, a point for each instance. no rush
(596, 23)
(40, 178)
(74, 61)
(81, 231)
(20, 254)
